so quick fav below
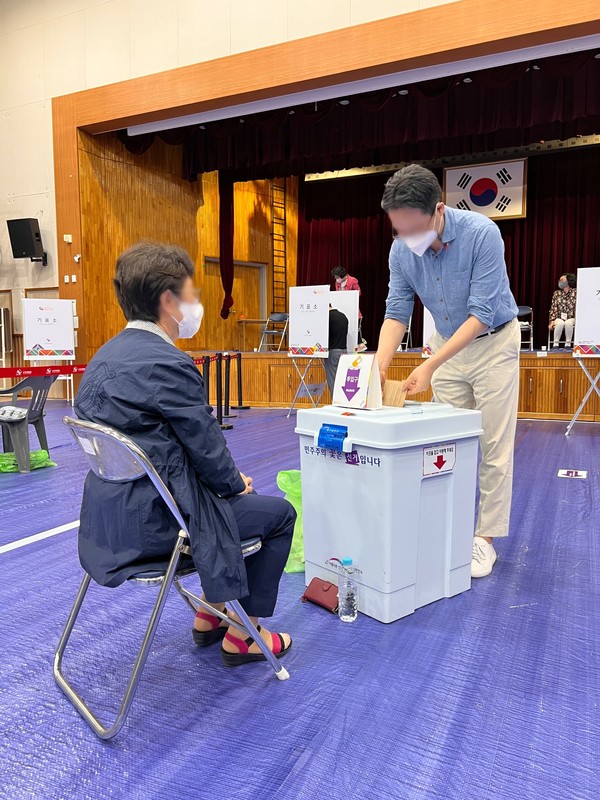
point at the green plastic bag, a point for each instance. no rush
(289, 482)
(38, 459)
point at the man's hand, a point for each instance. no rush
(248, 482)
(418, 380)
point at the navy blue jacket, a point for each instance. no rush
(149, 390)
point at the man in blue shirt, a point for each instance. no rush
(454, 261)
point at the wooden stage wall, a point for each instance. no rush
(551, 387)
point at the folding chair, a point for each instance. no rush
(15, 433)
(526, 326)
(115, 458)
(272, 333)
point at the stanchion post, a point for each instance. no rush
(224, 425)
(206, 376)
(240, 403)
(226, 410)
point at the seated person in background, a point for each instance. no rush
(338, 335)
(562, 309)
(346, 283)
(141, 384)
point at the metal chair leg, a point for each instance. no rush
(280, 671)
(103, 731)
(247, 628)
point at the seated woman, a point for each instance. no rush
(141, 384)
(562, 309)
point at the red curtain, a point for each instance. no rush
(342, 223)
(226, 238)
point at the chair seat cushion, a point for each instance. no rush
(186, 565)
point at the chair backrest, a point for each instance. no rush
(278, 316)
(39, 388)
(524, 311)
(116, 458)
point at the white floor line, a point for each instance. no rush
(6, 548)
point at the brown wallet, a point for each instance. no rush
(323, 594)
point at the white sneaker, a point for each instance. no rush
(484, 558)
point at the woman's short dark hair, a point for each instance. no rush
(338, 272)
(571, 279)
(144, 272)
(412, 186)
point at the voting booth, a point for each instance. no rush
(393, 489)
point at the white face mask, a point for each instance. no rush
(420, 243)
(189, 325)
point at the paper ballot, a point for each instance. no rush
(393, 395)
(357, 382)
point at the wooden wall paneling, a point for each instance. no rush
(68, 219)
(291, 186)
(122, 202)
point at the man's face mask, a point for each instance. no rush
(189, 324)
(420, 242)
(563, 284)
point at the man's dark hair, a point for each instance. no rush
(571, 279)
(144, 272)
(412, 187)
(338, 272)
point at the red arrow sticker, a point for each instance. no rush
(439, 458)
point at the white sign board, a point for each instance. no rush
(587, 313)
(309, 321)
(497, 190)
(439, 459)
(357, 382)
(347, 303)
(48, 330)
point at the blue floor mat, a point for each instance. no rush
(490, 695)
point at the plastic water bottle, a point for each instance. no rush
(347, 592)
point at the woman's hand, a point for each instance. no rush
(248, 482)
(551, 325)
(382, 377)
(419, 379)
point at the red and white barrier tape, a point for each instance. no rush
(30, 372)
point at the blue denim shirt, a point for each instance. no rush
(467, 277)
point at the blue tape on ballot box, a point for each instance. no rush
(331, 437)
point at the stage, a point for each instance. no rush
(552, 383)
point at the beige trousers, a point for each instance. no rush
(485, 376)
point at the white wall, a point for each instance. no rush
(54, 47)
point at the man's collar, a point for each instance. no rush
(449, 232)
(151, 327)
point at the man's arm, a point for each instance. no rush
(179, 397)
(398, 311)
(482, 304)
(390, 337)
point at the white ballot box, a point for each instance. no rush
(393, 489)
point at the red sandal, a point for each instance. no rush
(244, 657)
(206, 638)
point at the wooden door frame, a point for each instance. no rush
(435, 36)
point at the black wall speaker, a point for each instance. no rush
(26, 239)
